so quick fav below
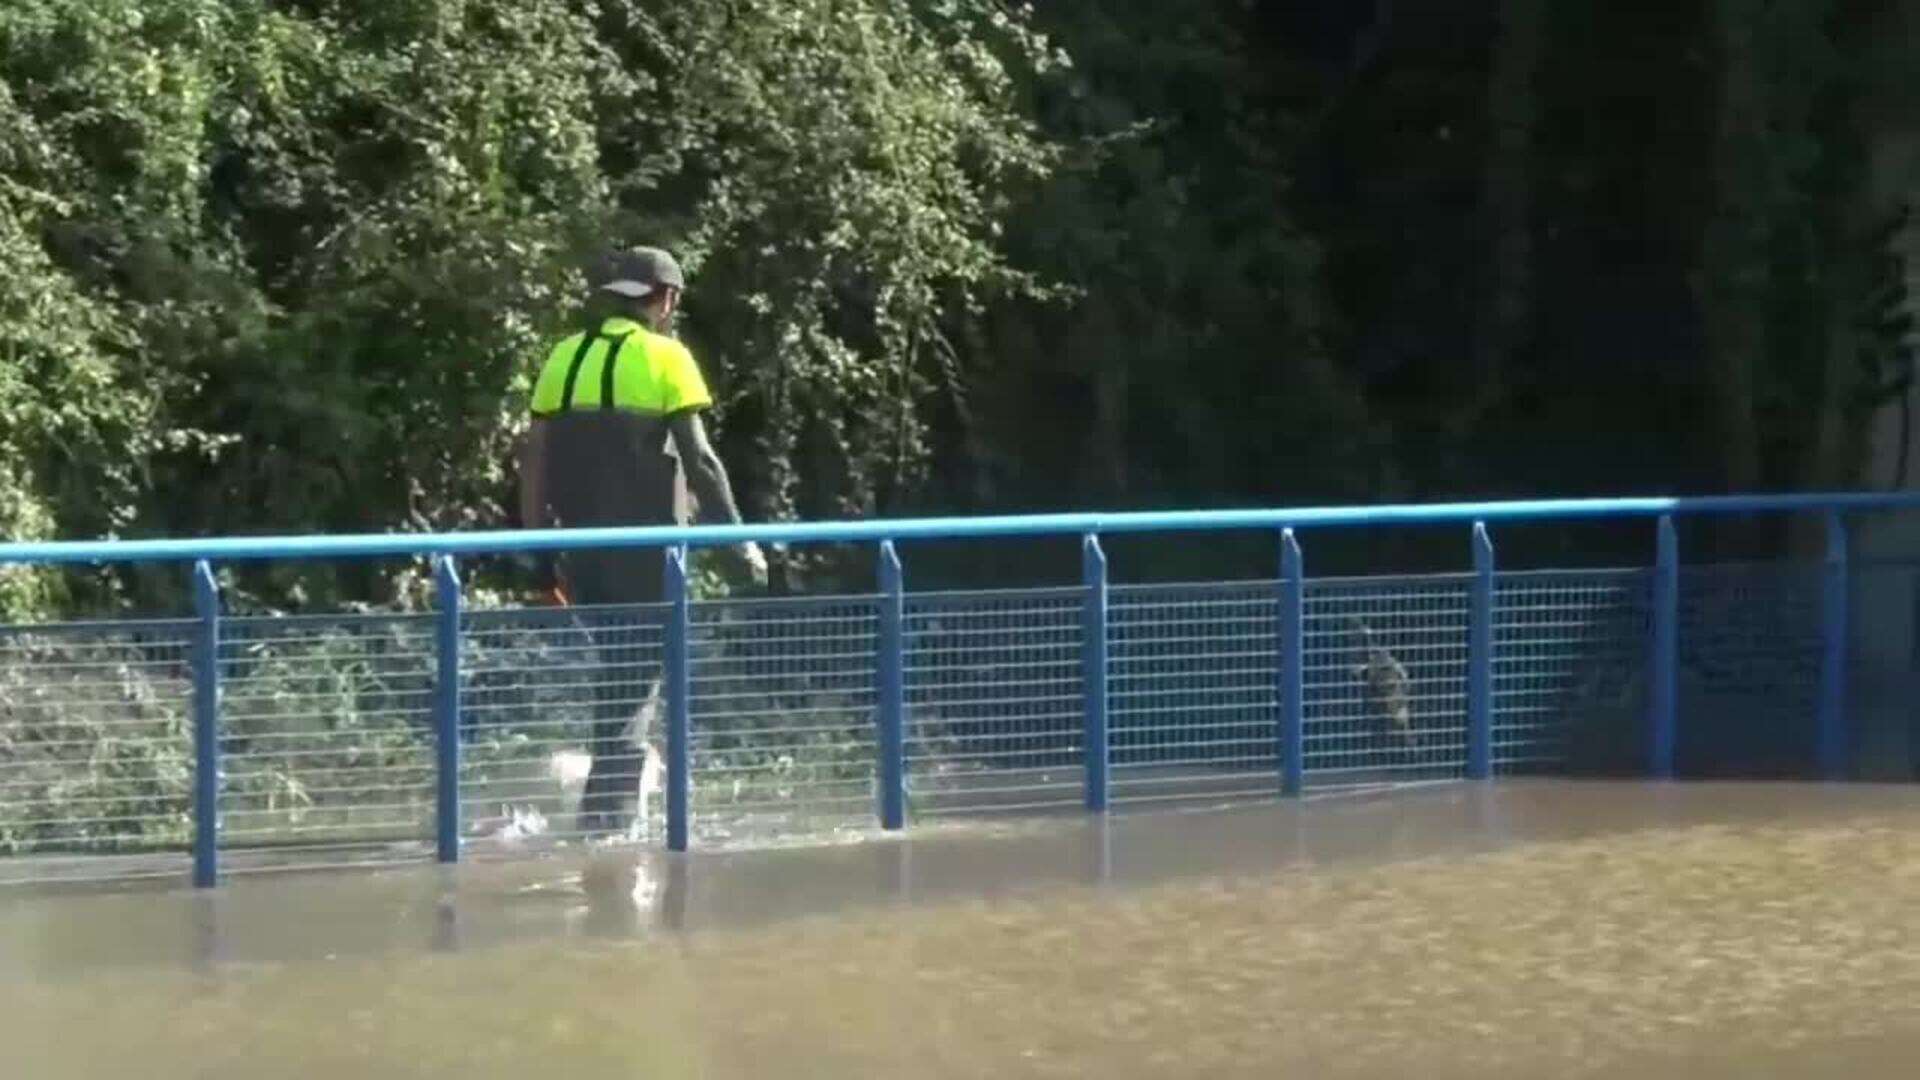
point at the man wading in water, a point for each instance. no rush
(616, 439)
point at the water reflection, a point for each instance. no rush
(1476, 930)
(622, 893)
(204, 908)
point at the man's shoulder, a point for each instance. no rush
(566, 346)
(665, 346)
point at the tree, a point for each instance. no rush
(1507, 206)
(1193, 360)
(286, 265)
(1795, 278)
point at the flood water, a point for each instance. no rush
(1523, 929)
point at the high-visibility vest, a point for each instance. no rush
(606, 397)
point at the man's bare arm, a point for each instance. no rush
(709, 480)
(533, 476)
(705, 472)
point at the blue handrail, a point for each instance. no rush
(950, 528)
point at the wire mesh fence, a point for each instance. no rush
(1385, 673)
(96, 753)
(995, 706)
(558, 709)
(1193, 672)
(1570, 670)
(329, 728)
(326, 737)
(1750, 648)
(1883, 676)
(782, 705)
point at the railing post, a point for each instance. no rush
(1833, 665)
(1093, 670)
(206, 728)
(1663, 700)
(446, 709)
(891, 685)
(679, 709)
(1480, 659)
(1293, 658)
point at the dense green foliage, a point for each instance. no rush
(283, 265)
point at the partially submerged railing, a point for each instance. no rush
(355, 727)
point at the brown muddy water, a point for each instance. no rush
(1522, 929)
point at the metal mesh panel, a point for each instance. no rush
(327, 737)
(994, 700)
(96, 750)
(783, 715)
(1192, 678)
(1362, 724)
(534, 683)
(1883, 678)
(1570, 669)
(1750, 654)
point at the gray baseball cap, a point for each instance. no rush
(637, 272)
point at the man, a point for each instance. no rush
(616, 438)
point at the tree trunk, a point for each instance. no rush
(1105, 363)
(1859, 238)
(1110, 391)
(1836, 445)
(1731, 283)
(1507, 196)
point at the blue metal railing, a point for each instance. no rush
(1293, 580)
(1091, 695)
(891, 660)
(679, 672)
(1093, 674)
(1480, 660)
(1666, 649)
(206, 726)
(487, 543)
(1834, 630)
(446, 711)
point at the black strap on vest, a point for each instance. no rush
(614, 345)
(573, 369)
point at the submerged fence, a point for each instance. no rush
(131, 748)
